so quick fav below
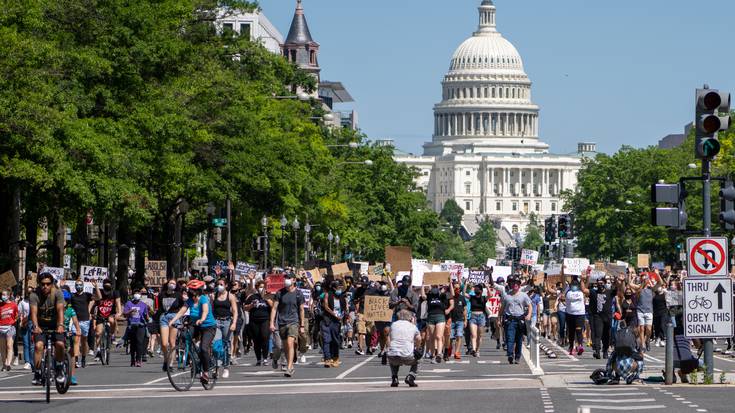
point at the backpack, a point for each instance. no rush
(625, 342)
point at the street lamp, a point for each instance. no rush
(351, 145)
(296, 227)
(284, 222)
(301, 95)
(264, 223)
(330, 238)
(307, 230)
(336, 244)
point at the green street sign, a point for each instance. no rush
(219, 222)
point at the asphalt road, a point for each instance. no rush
(487, 383)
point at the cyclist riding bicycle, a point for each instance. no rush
(47, 314)
(109, 309)
(204, 324)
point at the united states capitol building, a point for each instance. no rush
(485, 151)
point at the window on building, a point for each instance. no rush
(538, 206)
(498, 206)
(312, 57)
(467, 188)
(468, 173)
(293, 55)
(514, 206)
(493, 92)
(426, 173)
(525, 207)
(245, 30)
(468, 205)
(515, 229)
(228, 29)
(553, 207)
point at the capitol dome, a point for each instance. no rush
(486, 102)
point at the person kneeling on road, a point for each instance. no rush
(404, 349)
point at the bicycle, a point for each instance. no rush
(47, 370)
(184, 358)
(105, 344)
(700, 302)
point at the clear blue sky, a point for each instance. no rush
(612, 72)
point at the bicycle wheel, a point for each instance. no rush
(180, 369)
(62, 388)
(214, 370)
(48, 372)
(106, 342)
(707, 304)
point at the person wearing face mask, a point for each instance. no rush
(136, 312)
(317, 297)
(8, 318)
(439, 306)
(402, 298)
(575, 313)
(287, 319)
(224, 307)
(24, 310)
(601, 300)
(108, 309)
(170, 301)
(334, 306)
(478, 319)
(516, 309)
(81, 302)
(259, 307)
(660, 315)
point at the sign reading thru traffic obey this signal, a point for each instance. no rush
(708, 307)
(707, 257)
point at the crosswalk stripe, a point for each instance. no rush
(601, 407)
(610, 394)
(617, 400)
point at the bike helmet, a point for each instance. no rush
(196, 285)
(67, 295)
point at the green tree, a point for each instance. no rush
(533, 239)
(483, 244)
(452, 214)
(449, 246)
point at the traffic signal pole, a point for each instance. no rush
(709, 359)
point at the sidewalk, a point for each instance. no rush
(555, 381)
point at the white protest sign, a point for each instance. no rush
(92, 274)
(575, 266)
(529, 257)
(491, 262)
(553, 269)
(419, 267)
(57, 272)
(502, 271)
(88, 287)
(307, 296)
(708, 307)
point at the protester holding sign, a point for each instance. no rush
(574, 298)
(287, 315)
(439, 304)
(334, 309)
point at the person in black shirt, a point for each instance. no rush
(260, 309)
(82, 303)
(459, 320)
(439, 305)
(601, 299)
(478, 319)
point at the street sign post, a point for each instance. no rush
(707, 256)
(708, 307)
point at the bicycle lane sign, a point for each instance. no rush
(707, 257)
(708, 304)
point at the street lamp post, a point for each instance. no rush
(330, 238)
(284, 222)
(336, 242)
(264, 223)
(296, 227)
(307, 230)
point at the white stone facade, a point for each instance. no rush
(255, 25)
(485, 152)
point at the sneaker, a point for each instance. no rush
(73, 381)
(84, 361)
(510, 360)
(596, 355)
(572, 352)
(516, 361)
(78, 365)
(164, 368)
(284, 367)
(457, 356)
(477, 354)
(384, 360)
(302, 359)
(27, 366)
(648, 346)
(360, 352)
(60, 377)
(497, 346)
(226, 373)
(289, 373)
(274, 364)
(434, 361)
(91, 352)
(36, 379)
(411, 381)
(15, 361)
(438, 359)
(580, 350)
(204, 378)
(394, 381)
(258, 363)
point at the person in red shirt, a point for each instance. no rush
(8, 318)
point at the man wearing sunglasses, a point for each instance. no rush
(47, 314)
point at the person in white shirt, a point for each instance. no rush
(405, 339)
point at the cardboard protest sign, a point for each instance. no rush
(529, 257)
(376, 309)
(575, 266)
(502, 271)
(599, 265)
(596, 275)
(399, 258)
(7, 280)
(275, 282)
(363, 267)
(375, 273)
(93, 274)
(644, 261)
(155, 273)
(622, 264)
(477, 277)
(314, 275)
(552, 280)
(419, 268)
(242, 269)
(538, 279)
(658, 266)
(341, 270)
(57, 272)
(437, 278)
(31, 280)
(614, 271)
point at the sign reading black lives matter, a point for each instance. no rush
(708, 307)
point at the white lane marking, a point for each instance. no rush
(617, 400)
(701, 410)
(598, 389)
(600, 407)
(13, 377)
(164, 378)
(355, 367)
(645, 355)
(563, 351)
(610, 395)
(724, 359)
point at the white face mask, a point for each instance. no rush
(136, 297)
(5, 298)
(261, 290)
(287, 283)
(383, 288)
(220, 288)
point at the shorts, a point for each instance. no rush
(645, 319)
(478, 319)
(457, 329)
(84, 326)
(361, 325)
(434, 319)
(547, 313)
(41, 338)
(154, 328)
(165, 320)
(289, 330)
(382, 325)
(7, 332)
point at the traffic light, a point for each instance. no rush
(565, 226)
(708, 122)
(674, 194)
(550, 229)
(727, 205)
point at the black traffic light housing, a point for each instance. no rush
(709, 103)
(727, 205)
(565, 227)
(550, 229)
